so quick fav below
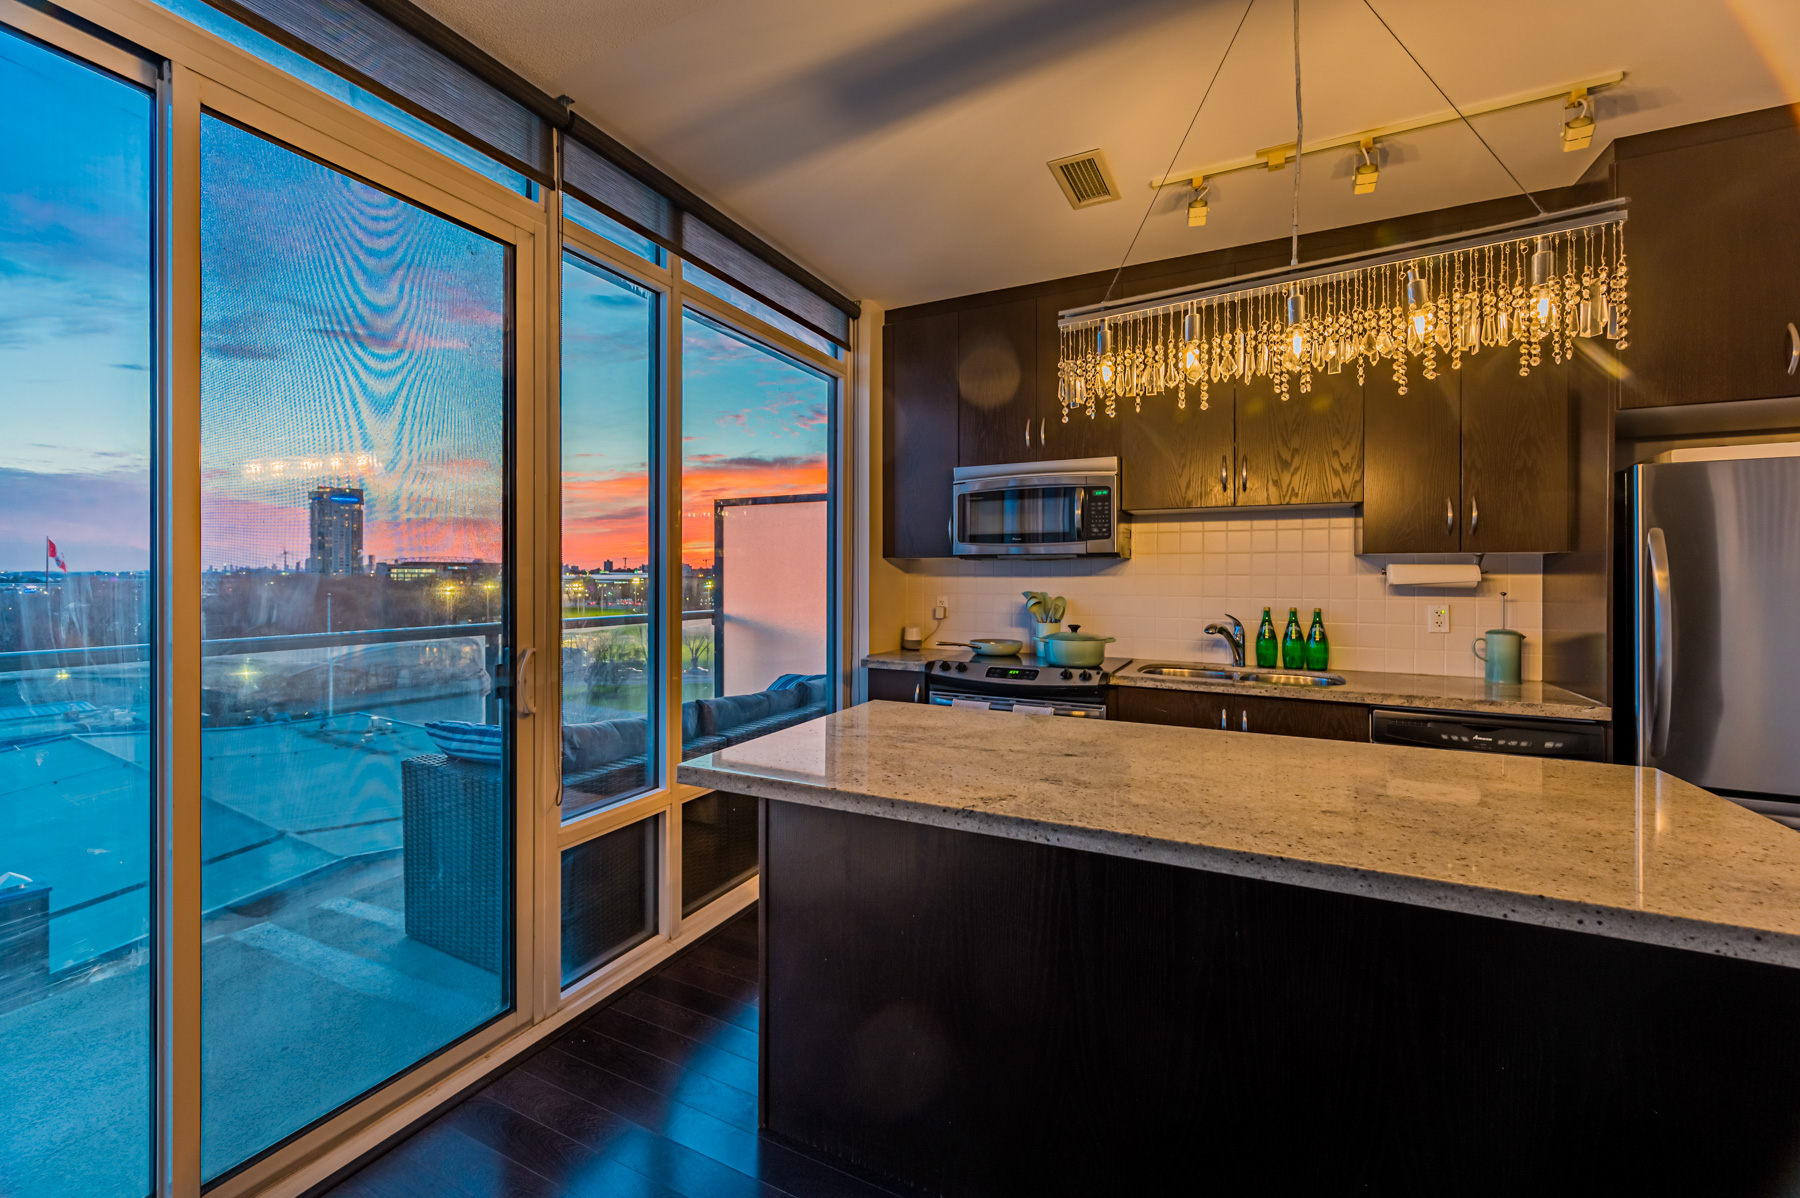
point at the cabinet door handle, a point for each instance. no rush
(1028, 432)
(1449, 516)
(1793, 348)
(1224, 480)
(1244, 720)
(1042, 420)
(1222, 714)
(1474, 514)
(1244, 476)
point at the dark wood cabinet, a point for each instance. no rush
(1477, 460)
(996, 385)
(1713, 245)
(897, 686)
(1518, 456)
(1412, 462)
(1306, 449)
(919, 418)
(1176, 458)
(1315, 718)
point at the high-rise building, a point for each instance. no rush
(337, 530)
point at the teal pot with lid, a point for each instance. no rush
(1075, 648)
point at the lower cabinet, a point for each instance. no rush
(1316, 718)
(897, 686)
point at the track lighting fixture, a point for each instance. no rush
(1197, 206)
(1368, 171)
(1578, 130)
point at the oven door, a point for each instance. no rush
(1049, 515)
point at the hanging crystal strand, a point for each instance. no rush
(1205, 355)
(1621, 277)
(1359, 324)
(1428, 339)
(1521, 309)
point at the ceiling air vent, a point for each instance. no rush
(1085, 179)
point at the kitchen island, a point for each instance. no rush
(1009, 955)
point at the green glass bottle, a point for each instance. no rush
(1266, 643)
(1318, 649)
(1293, 643)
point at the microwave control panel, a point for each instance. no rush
(1099, 514)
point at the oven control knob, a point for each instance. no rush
(1067, 674)
(962, 667)
(1085, 676)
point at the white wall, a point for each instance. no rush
(1186, 571)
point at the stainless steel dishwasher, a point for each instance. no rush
(1578, 740)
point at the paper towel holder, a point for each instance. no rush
(1443, 575)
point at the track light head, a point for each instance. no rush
(1197, 206)
(1368, 171)
(1578, 129)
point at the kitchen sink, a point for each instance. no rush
(1224, 674)
(1192, 672)
(1287, 679)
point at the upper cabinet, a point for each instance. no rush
(996, 385)
(1477, 460)
(1713, 246)
(918, 428)
(1306, 449)
(1173, 458)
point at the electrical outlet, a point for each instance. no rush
(942, 610)
(1437, 618)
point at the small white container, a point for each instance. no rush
(1044, 629)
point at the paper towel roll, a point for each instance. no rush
(1407, 574)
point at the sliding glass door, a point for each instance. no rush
(76, 814)
(357, 821)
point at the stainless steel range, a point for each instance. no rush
(1021, 685)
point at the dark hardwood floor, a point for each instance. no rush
(652, 1095)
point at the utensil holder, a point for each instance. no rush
(1044, 629)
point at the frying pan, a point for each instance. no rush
(989, 646)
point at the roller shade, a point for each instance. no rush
(698, 233)
(369, 47)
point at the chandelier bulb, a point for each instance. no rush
(1418, 291)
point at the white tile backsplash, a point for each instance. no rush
(1186, 571)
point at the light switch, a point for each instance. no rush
(1437, 618)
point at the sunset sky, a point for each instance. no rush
(348, 337)
(75, 380)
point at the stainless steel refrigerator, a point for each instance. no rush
(1717, 654)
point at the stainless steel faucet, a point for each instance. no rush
(1234, 635)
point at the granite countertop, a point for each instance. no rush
(1425, 691)
(1397, 690)
(1609, 850)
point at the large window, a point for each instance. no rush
(756, 557)
(609, 576)
(357, 814)
(76, 385)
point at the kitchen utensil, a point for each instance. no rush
(986, 646)
(1502, 649)
(1044, 629)
(1075, 648)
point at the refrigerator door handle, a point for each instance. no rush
(1662, 646)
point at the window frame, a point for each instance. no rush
(201, 72)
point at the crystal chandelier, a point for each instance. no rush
(1528, 290)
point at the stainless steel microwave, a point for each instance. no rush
(1042, 509)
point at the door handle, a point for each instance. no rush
(1244, 475)
(1042, 420)
(1793, 348)
(1222, 717)
(523, 699)
(1474, 514)
(1449, 516)
(1224, 476)
(1244, 720)
(1028, 432)
(950, 531)
(1662, 645)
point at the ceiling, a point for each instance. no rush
(898, 150)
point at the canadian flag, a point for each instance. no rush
(51, 553)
